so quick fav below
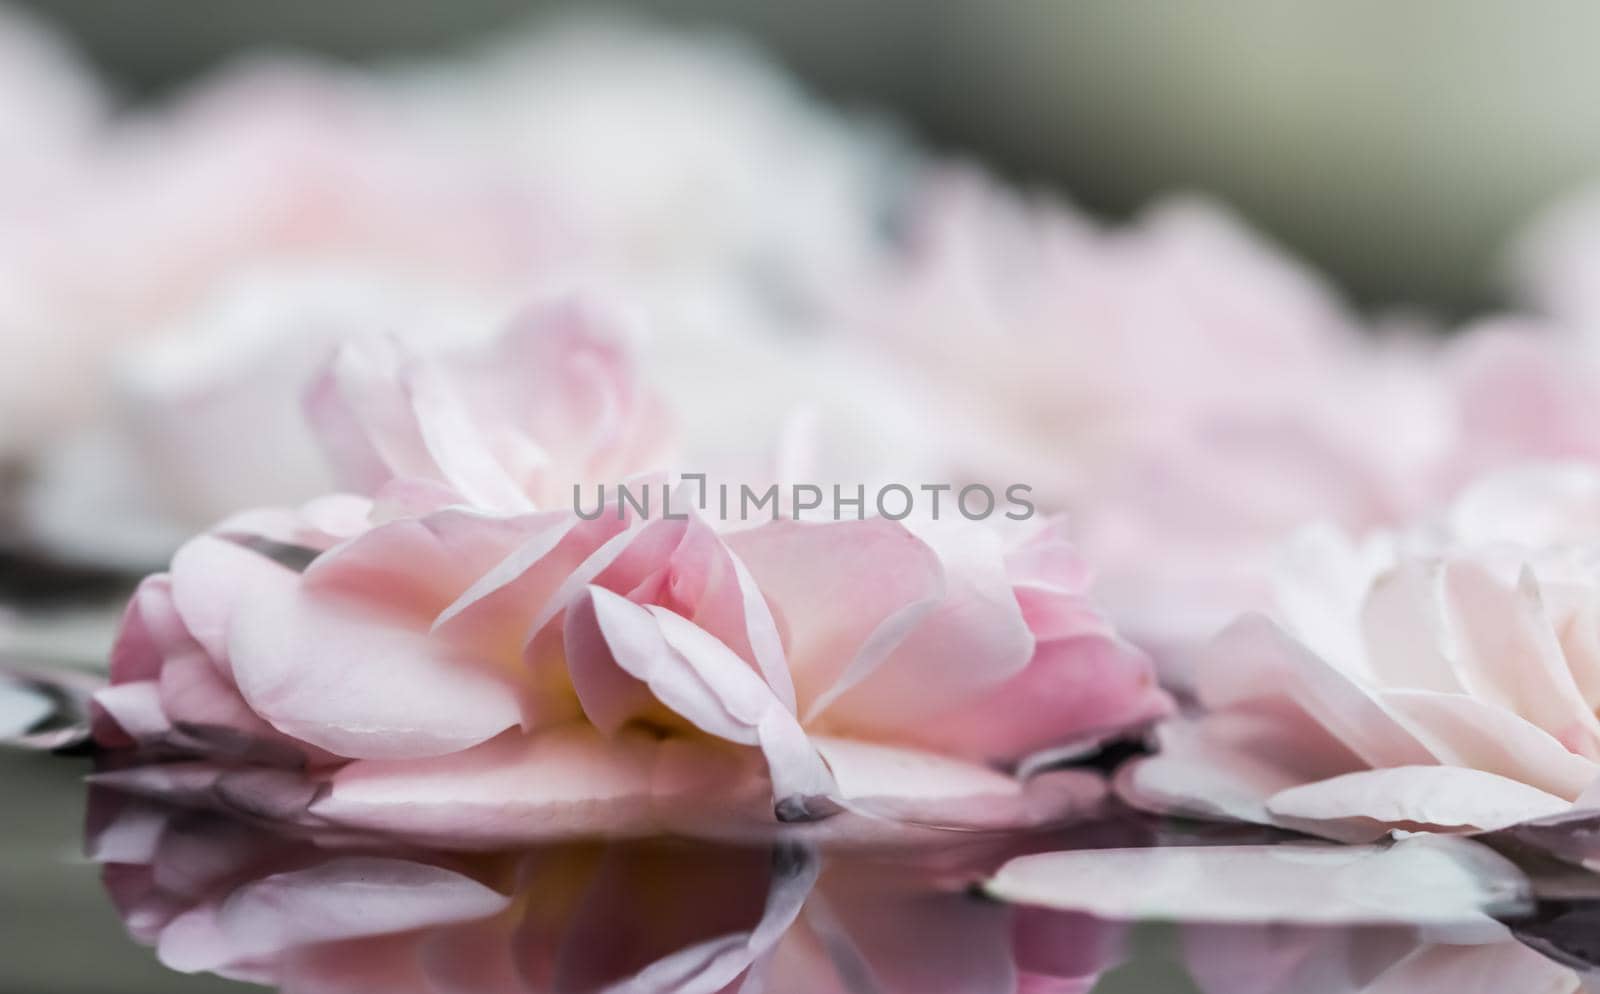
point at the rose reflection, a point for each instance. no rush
(1310, 918)
(1269, 959)
(340, 914)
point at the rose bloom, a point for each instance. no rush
(1443, 678)
(466, 658)
(311, 914)
(1191, 397)
(263, 218)
(691, 157)
(1183, 391)
(281, 207)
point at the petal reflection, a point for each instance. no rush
(1429, 880)
(327, 912)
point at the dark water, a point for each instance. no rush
(100, 889)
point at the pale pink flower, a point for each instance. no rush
(476, 679)
(691, 158)
(1075, 345)
(555, 401)
(1444, 678)
(255, 223)
(1186, 394)
(314, 915)
(275, 210)
(1190, 398)
(1520, 391)
(470, 659)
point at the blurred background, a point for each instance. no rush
(1394, 146)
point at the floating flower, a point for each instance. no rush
(1439, 679)
(464, 660)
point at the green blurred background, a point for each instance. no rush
(1397, 146)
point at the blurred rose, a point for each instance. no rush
(223, 243)
(690, 158)
(214, 895)
(1441, 679)
(1191, 398)
(50, 114)
(1177, 386)
(257, 222)
(553, 402)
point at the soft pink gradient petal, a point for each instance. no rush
(1093, 685)
(1467, 731)
(1254, 658)
(212, 578)
(552, 403)
(844, 594)
(1509, 653)
(936, 791)
(340, 899)
(1226, 764)
(1437, 881)
(1366, 805)
(351, 682)
(971, 641)
(562, 783)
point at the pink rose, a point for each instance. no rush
(474, 678)
(1191, 398)
(1066, 348)
(696, 163)
(311, 914)
(261, 220)
(555, 401)
(1184, 392)
(1440, 679)
(471, 660)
